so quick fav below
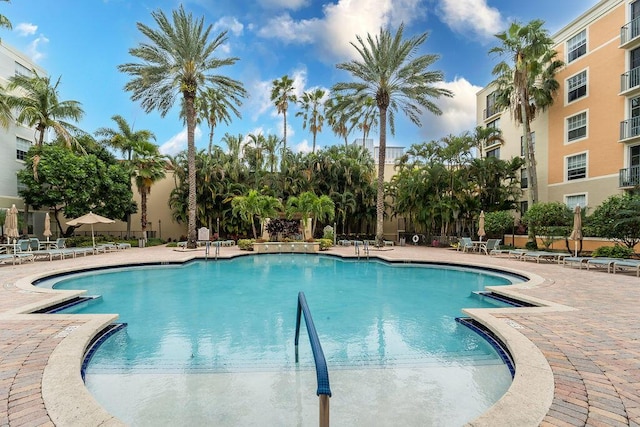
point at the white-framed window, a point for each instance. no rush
(577, 46)
(573, 200)
(577, 166)
(577, 126)
(491, 107)
(21, 70)
(532, 135)
(22, 146)
(577, 86)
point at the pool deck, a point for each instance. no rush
(577, 358)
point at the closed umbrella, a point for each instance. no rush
(90, 218)
(576, 233)
(47, 227)
(481, 232)
(11, 223)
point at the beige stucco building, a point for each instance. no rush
(588, 142)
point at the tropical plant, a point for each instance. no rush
(255, 205)
(338, 117)
(617, 218)
(525, 82)
(485, 136)
(215, 106)
(281, 94)
(178, 60)
(391, 72)
(312, 105)
(498, 223)
(4, 21)
(36, 102)
(148, 167)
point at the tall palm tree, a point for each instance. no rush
(270, 146)
(311, 111)
(148, 167)
(338, 117)
(37, 104)
(526, 82)
(215, 107)
(128, 141)
(178, 60)
(391, 72)
(255, 205)
(281, 94)
(124, 138)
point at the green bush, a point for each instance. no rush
(245, 244)
(616, 251)
(497, 224)
(325, 244)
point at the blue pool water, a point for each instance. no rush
(237, 318)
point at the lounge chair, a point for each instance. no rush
(571, 260)
(465, 244)
(490, 245)
(517, 253)
(16, 257)
(627, 265)
(601, 262)
(25, 246)
(541, 255)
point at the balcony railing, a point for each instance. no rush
(629, 177)
(630, 128)
(630, 31)
(630, 79)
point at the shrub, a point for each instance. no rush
(245, 244)
(327, 233)
(497, 224)
(325, 244)
(549, 220)
(617, 218)
(616, 251)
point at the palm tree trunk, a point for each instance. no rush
(191, 161)
(382, 151)
(143, 213)
(532, 194)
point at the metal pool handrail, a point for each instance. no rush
(322, 374)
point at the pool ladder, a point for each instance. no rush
(322, 373)
(365, 248)
(208, 249)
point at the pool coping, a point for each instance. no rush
(528, 398)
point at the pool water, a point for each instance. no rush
(212, 342)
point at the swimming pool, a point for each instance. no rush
(213, 342)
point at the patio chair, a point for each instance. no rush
(490, 245)
(465, 244)
(627, 265)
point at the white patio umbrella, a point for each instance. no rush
(11, 223)
(576, 233)
(481, 232)
(90, 218)
(47, 227)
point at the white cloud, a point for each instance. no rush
(26, 29)
(458, 113)
(302, 147)
(178, 142)
(229, 23)
(476, 18)
(33, 50)
(340, 24)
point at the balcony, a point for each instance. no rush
(630, 81)
(629, 33)
(629, 177)
(630, 128)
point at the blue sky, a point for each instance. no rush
(83, 42)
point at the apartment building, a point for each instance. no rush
(16, 140)
(588, 142)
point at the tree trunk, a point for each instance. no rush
(143, 213)
(530, 163)
(382, 152)
(191, 161)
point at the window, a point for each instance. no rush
(491, 105)
(22, 146)
(577, 46)
(494, 124)
(524, 178)
(494, 153)
(577, 166)
(577, 86)
(21, 70)
(576, 199)
(577, 126)
(533, 143)
(524, 207)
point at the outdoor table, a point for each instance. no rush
(479, 245)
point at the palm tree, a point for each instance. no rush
(37, 104)
(124, 138)
(4, 21)
(281, 95)
(323, 209)
(270, 146)
(302, 205)
(215, 107)
(338, 117)
(311, 105)
(394, 75)
(526, 83)
(148, 167)
(178, 60)
(485, 136)
(255, 205)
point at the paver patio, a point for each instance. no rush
(593, 348)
